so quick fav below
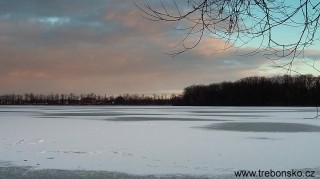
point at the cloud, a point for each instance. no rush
(106, 47)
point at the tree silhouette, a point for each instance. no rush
(257, 91)
(243, 21)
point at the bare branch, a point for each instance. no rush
(242, 21)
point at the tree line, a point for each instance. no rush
(302, 90)
(85, 99)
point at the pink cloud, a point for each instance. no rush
(25, 73)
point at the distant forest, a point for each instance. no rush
(85, 99)
(302, 90)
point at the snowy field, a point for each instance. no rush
(159, 141)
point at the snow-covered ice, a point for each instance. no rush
(160, 140)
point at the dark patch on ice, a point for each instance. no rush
(13, 111)
(262, 127)
(235, 112)
(159, 119)
(51, 115)
(233, 115)
(261, 138)
(27, 172)
(10, 171)
(80, 114)
(250, 111)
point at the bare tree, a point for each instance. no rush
(240, 22)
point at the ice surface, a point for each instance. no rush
(159, 140)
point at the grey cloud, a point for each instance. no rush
(50, 8)
(58, 21)
(47, 23)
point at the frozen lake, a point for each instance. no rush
(194, 141)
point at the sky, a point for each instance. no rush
(107, 47)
